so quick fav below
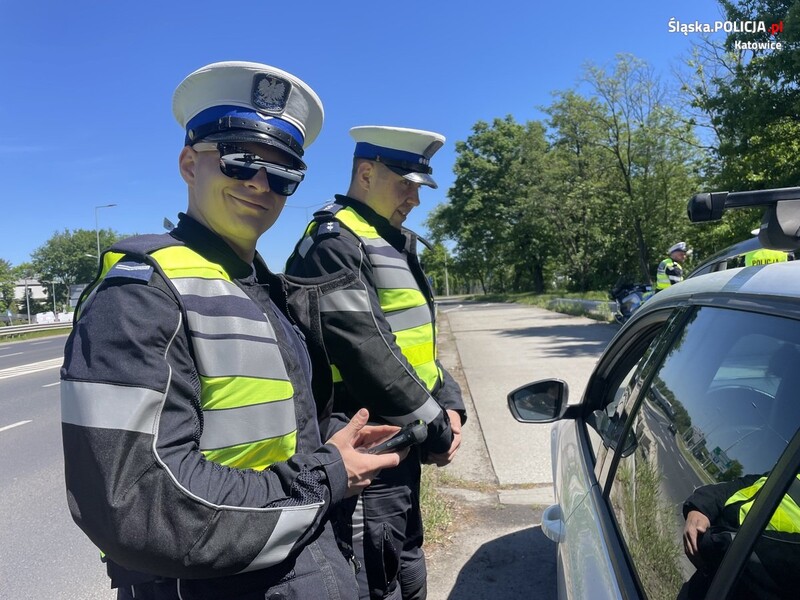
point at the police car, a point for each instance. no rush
(696, 396)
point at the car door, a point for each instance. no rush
(588, 566)
(712, 416)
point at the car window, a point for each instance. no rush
(711, 419)
(605, 423)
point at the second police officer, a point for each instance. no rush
(381, 341)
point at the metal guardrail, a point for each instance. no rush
(18, 329)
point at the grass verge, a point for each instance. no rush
(438, 511)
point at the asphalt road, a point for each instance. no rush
(42, 553)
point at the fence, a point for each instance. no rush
(19, 329)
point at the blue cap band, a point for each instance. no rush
(371, 152)
(215, 113)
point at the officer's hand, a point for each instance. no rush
(362, 467)
(696, 523)
(445, 458)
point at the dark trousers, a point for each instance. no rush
(387, 535)
(319, 572)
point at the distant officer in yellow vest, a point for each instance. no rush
(193, 458)
(382, 343)
(670, 270)
(764, 256)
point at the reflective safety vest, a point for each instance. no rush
(787, 515)
(403, 304)
(764, 256)
(245, 392)
(662, 278)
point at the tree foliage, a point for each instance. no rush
(69, 258)
(596, 191)
(750, 97)
(7, 278)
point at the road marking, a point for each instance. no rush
(12, 354)
(14, 425)
(31, 368)
(452, 309)
(52, 384)
(42, 342)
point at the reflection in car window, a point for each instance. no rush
(605, 423)
(718, 412)
(714, 513)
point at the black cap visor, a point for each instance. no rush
(416, 177)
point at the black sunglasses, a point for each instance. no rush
(237, 163)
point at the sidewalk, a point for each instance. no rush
(497, 549)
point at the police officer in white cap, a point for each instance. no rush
(670, 270)
(193, 457)
(381, 343)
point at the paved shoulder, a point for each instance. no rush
(504, 346)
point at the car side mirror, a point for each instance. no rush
(539, 402)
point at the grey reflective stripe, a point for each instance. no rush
(345, 301)
(400, 320)
(391, 278)
(208, 325)
(376, 242)
(305, 246)
(387, 261)
(206, 288)
(246, 424)
(427, 412)
(107, 406)
(238, 357)
(292, 523)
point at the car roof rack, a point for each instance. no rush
(780, 224)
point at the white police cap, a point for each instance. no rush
(407, 152)
(248, 102)
(679, 247)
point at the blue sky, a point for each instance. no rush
(85, 98)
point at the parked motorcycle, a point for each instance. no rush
(629, 297)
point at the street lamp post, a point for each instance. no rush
(97, 228)
(52, 283)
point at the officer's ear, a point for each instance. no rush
(187, 164)
(366, 171)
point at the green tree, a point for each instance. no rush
(750, 95)
(576, 194)
(69, 258)
(482, 207)
(438, 265)
(656, 168)
(7, 279)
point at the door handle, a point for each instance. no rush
(553, 523)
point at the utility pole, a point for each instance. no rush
(446, 280)
(27, 300)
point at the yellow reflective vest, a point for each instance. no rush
(786, 517)
(245, 392)
(403, 303)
